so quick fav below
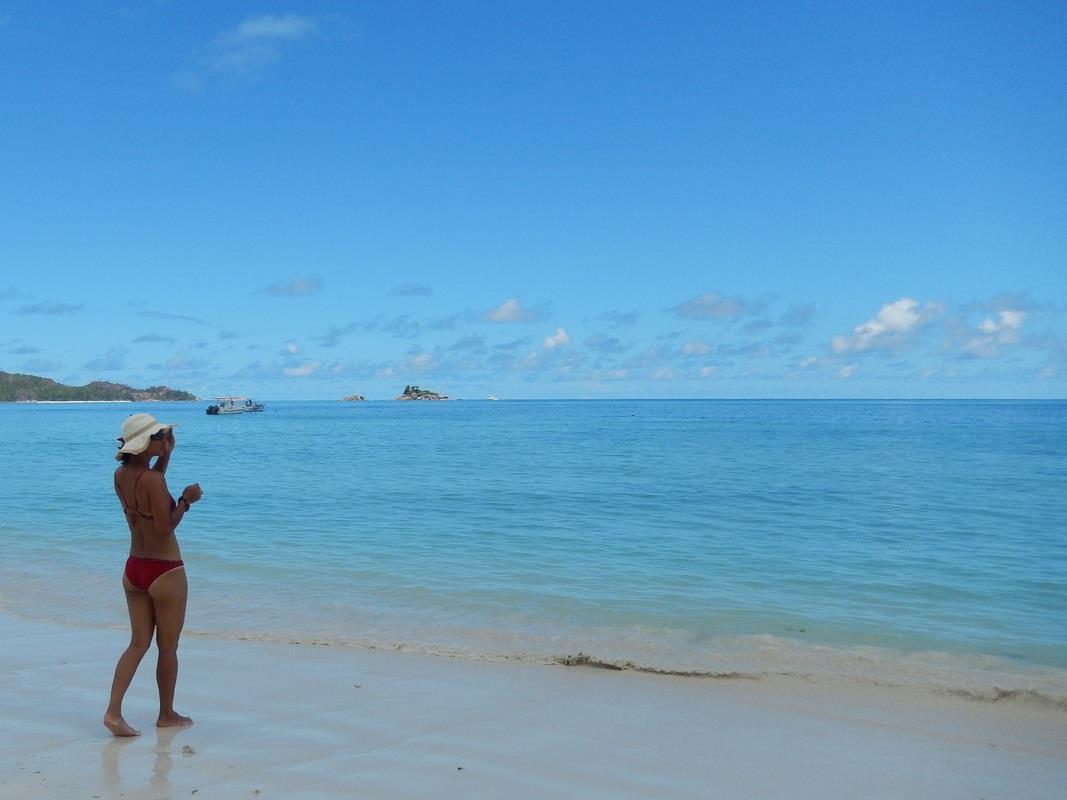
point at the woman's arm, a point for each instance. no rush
(164, 458)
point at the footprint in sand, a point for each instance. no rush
(188, 751)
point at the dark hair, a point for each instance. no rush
(158, 436)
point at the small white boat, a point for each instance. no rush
(234, 404)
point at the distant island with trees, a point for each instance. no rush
(19, 388)
(415, 393)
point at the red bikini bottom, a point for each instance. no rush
(143, 572)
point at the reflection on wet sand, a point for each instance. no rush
(115, 754)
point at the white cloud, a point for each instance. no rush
(619, 319)
(333, 336)
(509, 311)
(51, 309)
(270, 27)
(557, 339)
(473, 343)
(893, 324)
(1046, 373)
(1006, 321)
(168, 316)
(606, 345)
(707, 372)
(292, 348)
(153, 337)
(808, 362)
(697, 347)
(663, 374)
(295, 287)
(247, 50)
(994, 334)
(710, 306)
(1011, 320)
(301, 370)
(846, 372)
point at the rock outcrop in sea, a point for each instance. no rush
(415, 393)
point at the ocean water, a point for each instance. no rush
(907, 543)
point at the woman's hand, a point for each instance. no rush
(168, 442)
(191, 493)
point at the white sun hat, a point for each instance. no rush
(137, 429)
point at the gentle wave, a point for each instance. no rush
(655, 652)
(993, 694)
(1027, 697)
(943, 674)
(970, 677)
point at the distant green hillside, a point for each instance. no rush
(15, 387)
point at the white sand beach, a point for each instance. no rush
(298, 721)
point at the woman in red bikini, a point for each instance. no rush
(154, 578)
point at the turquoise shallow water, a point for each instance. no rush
(915, 542)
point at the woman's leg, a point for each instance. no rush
(169, 593)
(142, 623)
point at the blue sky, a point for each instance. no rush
(537, 199)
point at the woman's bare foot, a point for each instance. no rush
(173, 720)
(118, 726)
